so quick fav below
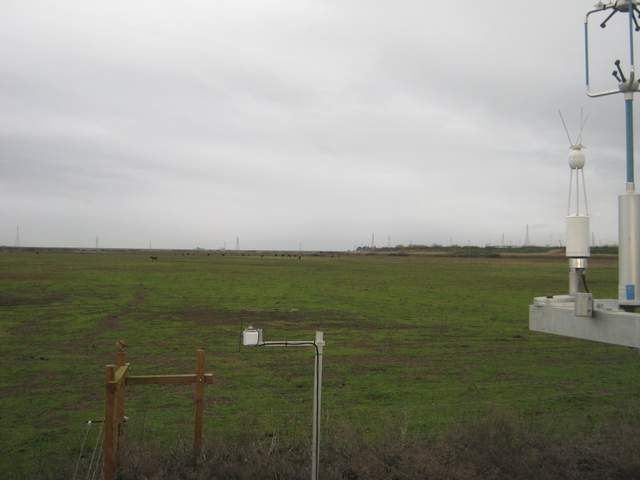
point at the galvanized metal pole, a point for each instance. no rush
(631, 30)
(628, 107)
(586, 52)
(628, 103)
(317, 405)
(253, 336)
(628, 215)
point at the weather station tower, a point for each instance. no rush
(578, 249)
(576, 314)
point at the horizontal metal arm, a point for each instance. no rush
(590, 12)
(288, 343)
(603, 94)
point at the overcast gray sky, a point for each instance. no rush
(189, 123)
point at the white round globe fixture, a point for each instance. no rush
(576, 157)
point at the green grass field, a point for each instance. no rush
(418, 341)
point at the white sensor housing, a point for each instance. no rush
(578, 236)
(251, 337)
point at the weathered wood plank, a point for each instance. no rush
(184, 379)
(109, 461)
(199, 393)
(121, 372)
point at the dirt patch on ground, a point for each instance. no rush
(15, 300)
(22, 276)
(111, 322)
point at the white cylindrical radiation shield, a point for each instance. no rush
(578, 236)
(629, 249)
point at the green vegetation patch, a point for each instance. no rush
(437, 341)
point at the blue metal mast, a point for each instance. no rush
(628, 103)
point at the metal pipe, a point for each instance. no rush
(570, 188)
(287, 343)
(576, 281)
(628, 104)
(577, 270)
(318, 343)
(602, 94)
(586, 49)
(584, 189)
(631, 56)
(586, 52)
(577, 193)
(317, 401)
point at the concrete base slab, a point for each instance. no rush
(609, 324)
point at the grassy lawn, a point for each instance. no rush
(421, 342)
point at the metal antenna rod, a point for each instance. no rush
(604, 23)
(566, 130)
(583, 123)
(584, 190)
(635, 22)
(570, 188)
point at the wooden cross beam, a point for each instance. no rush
(117, 378)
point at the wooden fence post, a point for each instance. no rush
(121, 357)
(200, 380)
(115, 382)
(109, 465)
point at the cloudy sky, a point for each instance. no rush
(188, 123)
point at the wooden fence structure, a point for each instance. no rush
(117, 378)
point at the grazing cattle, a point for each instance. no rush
(153, 258)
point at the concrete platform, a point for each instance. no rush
(608, 324)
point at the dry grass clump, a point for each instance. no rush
(496, 447)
